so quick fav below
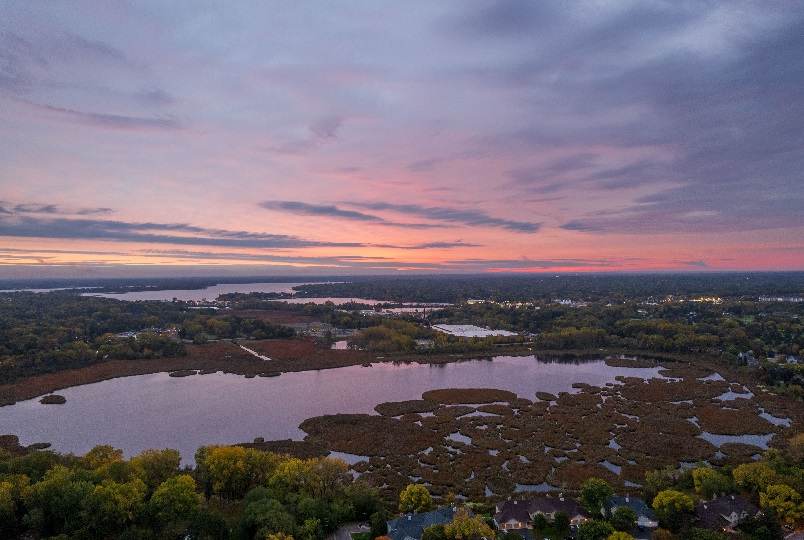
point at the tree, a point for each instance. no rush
(8, 510)
(379, 523)
(561, 521)
(623, 519)
(111, 506)
(784, 501)
(54, 504)
(595, 530)
(754, 477)
(466, 527)
(175, 500)
(265, 516)
(415, 498)
(696, 533)
(672, 508)
(594, 493)
(208, 526)
(157, 466)
(227, 468)
(435, 532)
(539, 522)
(620, 535)
(101, 455)
(662, 534)
(709, 482)
(311, 530)
(365, 499)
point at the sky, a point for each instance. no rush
(357, 137)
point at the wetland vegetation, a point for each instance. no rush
(730, 400)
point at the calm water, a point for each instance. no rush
(159, 411)
(209, 293)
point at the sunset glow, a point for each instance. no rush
(351, 137)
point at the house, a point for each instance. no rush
(747, 358)
(513, 515)
(725, 513)
(517, 515)
(411, 526)
(645, 516)
(550, 505)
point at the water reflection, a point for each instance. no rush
(158, 411)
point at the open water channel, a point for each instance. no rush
(159, 411)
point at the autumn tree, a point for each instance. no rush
(620, 535)
(8, 510)
(157, 466)
(415, 498)
(672, 508)
(466, 527)
(754, 477)
(784, 501)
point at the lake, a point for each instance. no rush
(197, 295)
(159, 411)
(211, 293)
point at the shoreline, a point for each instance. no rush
(286, 356)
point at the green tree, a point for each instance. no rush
(111, 507)
(561, 522)
(157, 466)
(696, 533)
(594, 493)
(8, 510)
(415, 498)
(310, 530)
(754, 477)
(709, 482)
(265, 516)
(208, 526)
(54, 504)
(595, 530)
(379, 522)
(672, 508)
(175, 500)
(784, 501)
(435, 532)
(623, 519)
(539, 522)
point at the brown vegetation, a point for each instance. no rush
(563, 441)
(297, 449)
(399, 408)
(469, 395)
(53, 399)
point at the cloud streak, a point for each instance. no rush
(472, 218)
(331, 211)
